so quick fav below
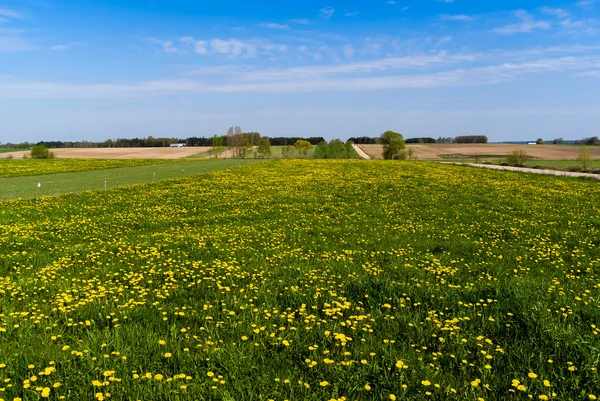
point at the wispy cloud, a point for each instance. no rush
(236, 48)
(10, 14)
(445, 17)
(68, 46)
(319, 79)
(166, 45)
(327, 12)
(586, 26)
(585, 4)
(300, 21)
(273, 25)
(11, 44)
(527, 24)
(556, 12)
(351, 14)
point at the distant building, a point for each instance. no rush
(531, 143)
(178, 145)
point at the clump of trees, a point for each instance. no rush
(558, 141)
(393, 145)
(420, 140)
(517, 158)
(588, 141)
(283, 141)
(218, 146)
(471, 139)
(364, 140)
(335, 149)
(540, 141)
(41, 152)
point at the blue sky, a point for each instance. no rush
(84, 69)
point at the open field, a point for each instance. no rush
(76, 182)
(120, 153)
(306, 280)
(11, 150)
(29, 167)
(486, 151)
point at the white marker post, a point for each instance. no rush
(104, 185)
(37, 191)
(182, 173)
(154, 176)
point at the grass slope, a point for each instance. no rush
(77, 182)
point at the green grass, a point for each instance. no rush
(560, 164)
(77, 182)
(8, 150)
(306, 280)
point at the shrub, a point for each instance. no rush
(517, 158)
(41, 152)
(585, 158)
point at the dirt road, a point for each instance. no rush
(360, 152)
(530, 170)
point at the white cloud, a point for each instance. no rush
(390, 2)
(327, 12)
(167, 45)
(272, 25)
(585, 4)
(68, 46)
(300, 21)
(237, 48)
(556, 12)
(526, 25)
(349, 51)
(462, 77)
(351, 14)
(10, 14)
(465, 18)
(587, 26)
(404, 8)
(11, 44)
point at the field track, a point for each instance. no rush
(532, 170)
(120, 153)
(360, 152)
(433, 151)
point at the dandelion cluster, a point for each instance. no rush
(305, 280)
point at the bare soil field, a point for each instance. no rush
(120, 153)
(435, 151)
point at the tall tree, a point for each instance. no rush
(217, 146)
(393, 145)
(264, 149)
(303, 147)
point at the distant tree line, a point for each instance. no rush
(420, 140)
(472, 139)
(365, 140)
(588, 141)
(151, 142)
(283, 141)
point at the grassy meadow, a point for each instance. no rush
(93, 180)
(305, 280)
(29, 167)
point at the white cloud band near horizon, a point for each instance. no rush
(311, 79)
